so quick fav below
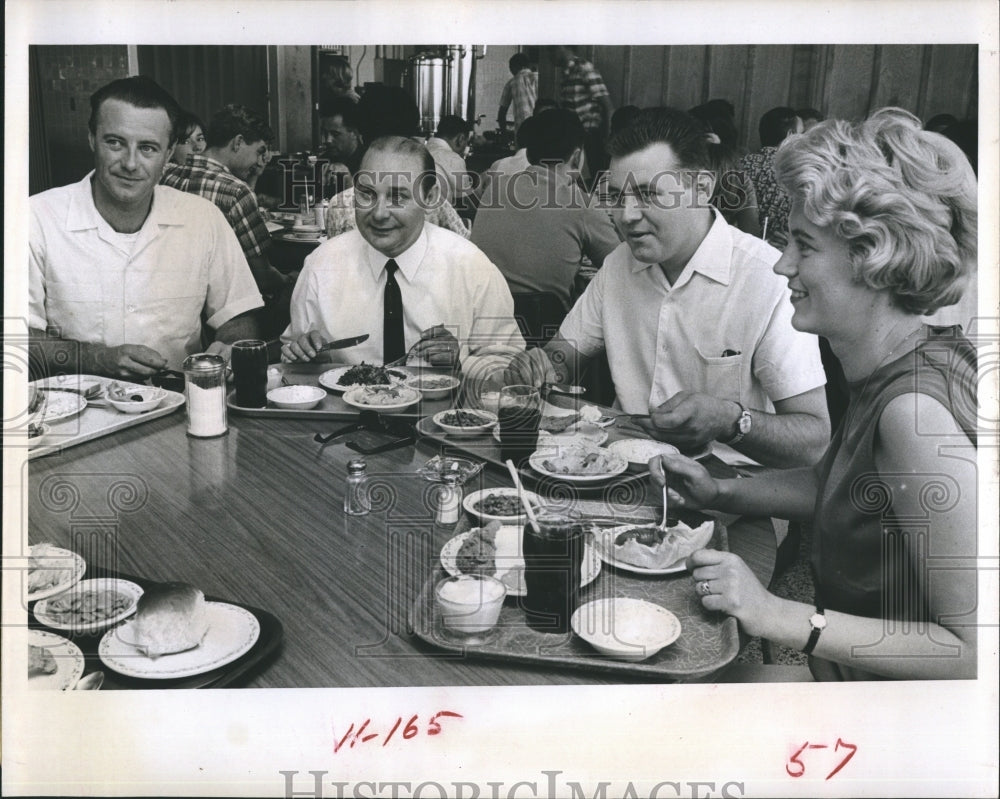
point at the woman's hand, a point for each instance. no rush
(689, 485)
(725, 583)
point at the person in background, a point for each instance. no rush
(520, 92)
(775, 126)
(694, 322)
(810, 118)
(340, 136)
(517, 162)
(883, 229)
(337, 79)
(582, 90)
(734, 193)
(448, 147)
(940, 122)
(190, 138)
(388, 111)
(455, 303)
(123, 271)
(238, 140)
(538, 225)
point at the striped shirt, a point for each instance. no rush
(520, 95)
(581, 86)
(210, 179)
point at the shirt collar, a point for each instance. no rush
(408, 261)
(203, 161)
(712, 258)
(83, 214)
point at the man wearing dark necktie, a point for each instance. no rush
(439, 294)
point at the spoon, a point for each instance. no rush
(663, 521)
(92, 682)
(521, 495)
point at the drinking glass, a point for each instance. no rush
(553, 562)
(519, 414)
(249, 365)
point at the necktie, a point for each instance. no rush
(393, 345)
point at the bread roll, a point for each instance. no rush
(171, 617)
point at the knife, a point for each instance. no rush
(274, 347)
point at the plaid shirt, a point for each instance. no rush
(340, 216)
(208, 178)
(520, 94)
(581, 86)
(773, 204)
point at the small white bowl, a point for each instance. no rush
(473, 501)
(625, 628)
(433, 387)
(638, 451)
(489, 420)
(296, 398)
(151, 397)
(470, 604)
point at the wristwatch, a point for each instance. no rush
(743, 425)
(818, 623)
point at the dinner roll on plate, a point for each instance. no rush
(171, 617)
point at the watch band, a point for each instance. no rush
(743, 424)
(818, 623)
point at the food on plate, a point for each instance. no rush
(48, 566)
(653, 548)
(171, 617)
(40, 661)
(581, 462)
(120, 393)
(590, 413)
(500, 505)
(478, 552)
(559, 423)
(464, 419)
(80, 608)
(429, 383)
(386, 395)
(640, 450)
(367, 374)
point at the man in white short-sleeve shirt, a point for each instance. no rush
(695, 323)
(455, 302)
(123, 272)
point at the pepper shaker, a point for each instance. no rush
(356, 499)
(449, 499)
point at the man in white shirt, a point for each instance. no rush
(455, 303)
(122, 271)
(448, 147)
(695, 323)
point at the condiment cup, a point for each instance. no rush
(469, 604)
(151, 397)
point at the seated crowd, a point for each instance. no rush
(719, 276)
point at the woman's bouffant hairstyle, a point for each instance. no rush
(903, 199)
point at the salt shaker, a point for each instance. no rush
(356, 499)
(449, 499)
(205, 395)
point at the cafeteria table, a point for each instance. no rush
(255, 517)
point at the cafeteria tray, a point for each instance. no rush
(95, 421)
(332, 406)
(232, 674)
(708, 641)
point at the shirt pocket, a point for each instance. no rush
(721, 377)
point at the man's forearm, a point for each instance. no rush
(51, 355)
(785, 439)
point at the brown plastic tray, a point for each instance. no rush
(708, 641)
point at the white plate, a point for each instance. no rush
(638, 451)
(68, 657)
(357, 397)
(73, 576)
(85, 385)
(296, 397)
(59, 405)
(604, 543)
(329, 379)
(510, 561)
(625, 628)
(58, 622)
(580, 433)
(232, 631)
(618, 465)
(469, 503)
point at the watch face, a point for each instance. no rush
(818, 620)
(744, 423)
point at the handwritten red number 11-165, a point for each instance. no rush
(366, 733)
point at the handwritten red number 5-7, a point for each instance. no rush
(796, 768)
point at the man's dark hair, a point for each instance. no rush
(719, 117)
(809, 113)
(543, 103)
(405, 146)
(517, 62)
(186, 123)
(623, 116)
(556, 133)
(682, 132)
(387, 111)
(140, 91)
(776, 124)
(343, 107)
(451, 126)
(237, 120)
(524, 133)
